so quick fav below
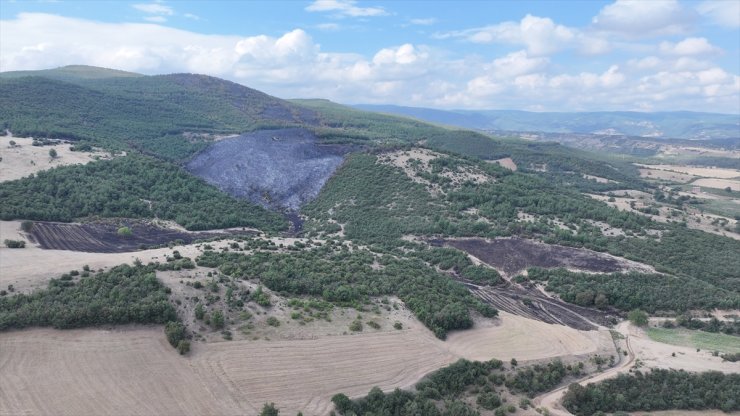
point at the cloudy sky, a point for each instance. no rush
(648, 55)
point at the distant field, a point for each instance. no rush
(696, 339)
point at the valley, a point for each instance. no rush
(302, 253)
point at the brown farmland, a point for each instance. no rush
(103, 237)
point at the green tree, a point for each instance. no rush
(217, 320)
(53, 153)
(638, 317)
(269, 409)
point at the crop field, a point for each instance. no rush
(514, 255)
(133, 371)
(696, 339)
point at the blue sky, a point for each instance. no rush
(535, 55)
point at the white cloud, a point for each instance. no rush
(294, 65)
(689, 46)
(723, 12)
(328, 27)
(423, 22)
(155, 19)
(540, 35)
(345, 8)
(154, 8)
(191, 16)
(638, 18)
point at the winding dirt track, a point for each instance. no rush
(551, 400)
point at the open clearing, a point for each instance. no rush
(721, 173)
(24, 158)
(695, 339)
(717, 183)
(134, 371)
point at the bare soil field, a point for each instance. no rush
(133, 371)
(507, 163)
(655, 354)
(720, 173)
(103, 237)
(666, 175)
(518, 337)
(717, 183)
(24, 159)
(514, 255)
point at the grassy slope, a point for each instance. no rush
(696, 339)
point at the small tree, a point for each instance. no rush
(217, 320)
(199, 311)
(638, 317)
(27, 226)
(175, 332)
(125, 232)
(53, 153)
(269, 409)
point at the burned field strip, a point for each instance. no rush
(531, 303)
(514, 255)
(104, 237)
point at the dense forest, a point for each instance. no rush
(649, 292)
(338, 275)
(656, 390)
(133, 187)
(123, 295)
(451, 390)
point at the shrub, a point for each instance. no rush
(15, 243)
(217, 320)
(199, 311)
(355, 326)
(27, 226)
(489, 401)
(269, 409)
(638, 317)
(175, 332)
(273, 321)
(398, 325)
(183, 347)
(125, 232)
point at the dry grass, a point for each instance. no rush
(717, 183)
(134, 370)
(25, 159)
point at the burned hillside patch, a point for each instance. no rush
(279, 169)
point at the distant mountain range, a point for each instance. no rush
(674, 124)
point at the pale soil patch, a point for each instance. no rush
(721, 173)
(598, 179)
(517, 337)
(415, 161)
(97, 371)
(606, 229)
(506, 162)
(717, 183)
(666, 175)
(655, 354)
(21, 161)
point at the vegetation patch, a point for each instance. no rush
(123, 295)
(130, 187)
(656, 390)
(338, 275)
(696, 339)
